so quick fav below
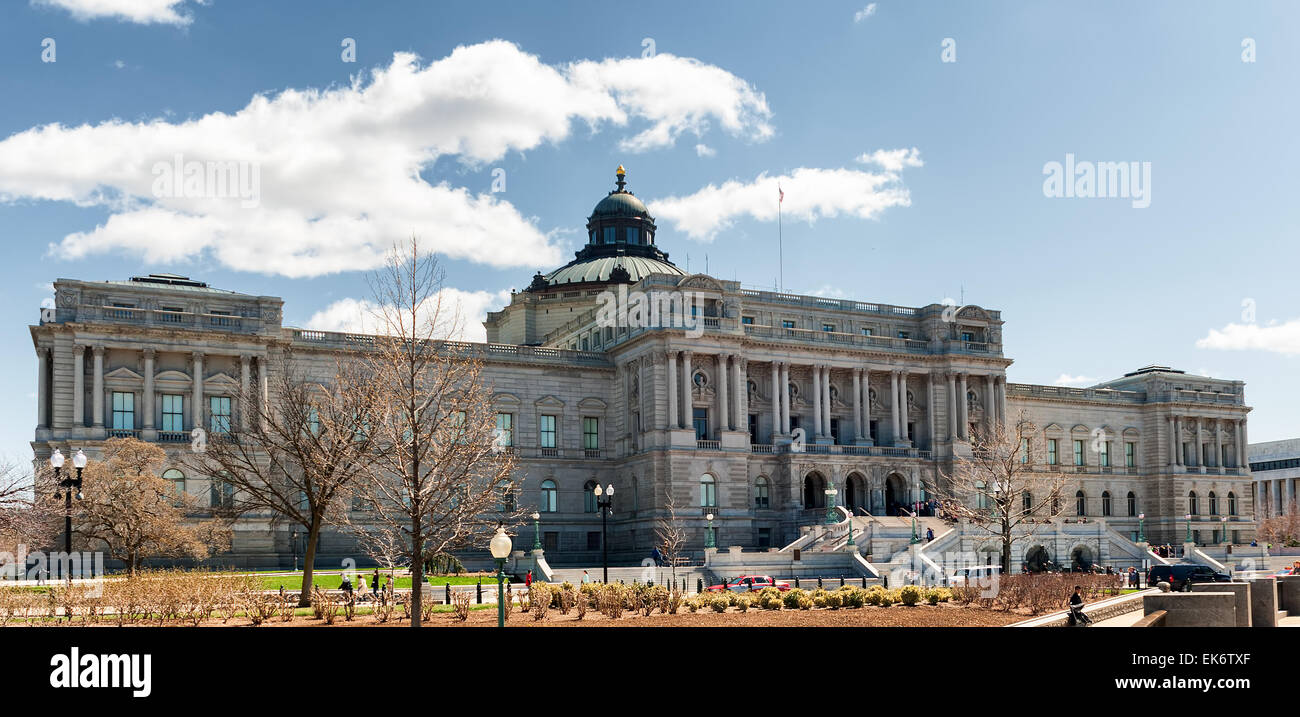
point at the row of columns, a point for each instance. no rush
(1274, 496)
(730, 389)
(1174, 426)
(44, 408)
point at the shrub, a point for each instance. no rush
(460, 605)
(720, 603)
(805, 602)
(910, 595)
(853, 597)
(886, 598)
(792, 597)
(743, 603)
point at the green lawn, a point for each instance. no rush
(293, 583)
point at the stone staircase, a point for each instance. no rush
(629, 575)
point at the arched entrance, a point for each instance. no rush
(814, 491)
(1037, 559)
(895, 494)
(1081, 558)
(855, 493)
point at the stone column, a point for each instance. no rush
(929, 410)
(97, 388)
(1178, 441)
(1002, 398)
(1171, 444)
(1278, 507)
(902, 407)
(1198, 455)
(826, 399)
(1290, 494)
(78, 386)
(196, 368)
(245, 383)
(817, 401)
(963, 407)
(724, 414)
(785, 398)
(952, 408)
(776, 400)
(149, 355)
(42, 387)
(740, 396)
(687, 414)
(866, 403)
(991, 403)
(1245, 445)
(264, 409)
(893, 406)
(672, 421)
(857, 404)
(1218, 445)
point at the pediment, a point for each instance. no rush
(219, 378)
(1053, 428)
(506, 399)
(548, 402)
(172, 376)
(592, 403)
(123, 373)
(700, 281)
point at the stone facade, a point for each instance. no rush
(737, 403)
(1275, 467)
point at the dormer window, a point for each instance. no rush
(610, 235)
(633, 235)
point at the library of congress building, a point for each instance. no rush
(703, 405)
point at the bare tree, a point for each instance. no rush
(999, 490)
(670, 533)
(23, 519)
(134, 514)
(1281, 530)
(439, 481)
(296, 453)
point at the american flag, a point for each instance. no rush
(781, 192)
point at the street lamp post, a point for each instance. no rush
(66, 485)
(293, 538)
(1189, 528)
(537, 531)
(1223, 531)
(709, 542)
(603, 505)
(500, 546)
(1142, 535)
(830, 506)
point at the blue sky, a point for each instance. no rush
(352, 155)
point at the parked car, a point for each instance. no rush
(745, 583)
(976, 573)
(1181, 577)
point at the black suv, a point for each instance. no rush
(1180, 577)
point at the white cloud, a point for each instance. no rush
(704, 150)
(142, 12)
(864, 13)
(463, 310)
(1277, 338)
(892, 160)
(119, 64)
(829, 292)
(809, 195)
(1066, 379)
(338, 169)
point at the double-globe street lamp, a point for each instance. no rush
(604, 507)
(79, 461)
(500, 547)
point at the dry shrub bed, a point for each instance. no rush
(1037, 594)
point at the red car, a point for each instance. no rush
(746, 583)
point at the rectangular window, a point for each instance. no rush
(547, 432)
(1130, 454)
(787, 324)
(753, 428)
(220, 408)
(506, 429)
(866, 331)
(764, 537)
(873, 427)
(633, 235)
(828, 328)
(1052, 458)
(1024, 450)
(591, 433)
(123, 411)
(611, 235)
(173, 412)
(1105, 454)
(700, 418)
(903, 335)
(593, 540)
(1078, 452)
(835, 430)
(747, 320)
(967, 336)
(551, 542)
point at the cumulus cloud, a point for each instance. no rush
(1281, 338)
(864, 13)
(826, 291)
(311, 182)
(704, 150)
(1066, 379)
(141, 12)
(892, 160)
(461, 312)
(809, 195)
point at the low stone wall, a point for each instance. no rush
(1263, 602)
(1194, 609)
(1241, 598)
(1288, 594)
(1098, 611)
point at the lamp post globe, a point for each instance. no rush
(710, 541)
(537, 530)
(1142, 536)
(500, 547)
(604, 505)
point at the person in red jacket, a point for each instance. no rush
(528, 579)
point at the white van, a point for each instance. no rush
(976, 573)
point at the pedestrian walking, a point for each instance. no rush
(1077, 615)
(528, 579)
(586, 579)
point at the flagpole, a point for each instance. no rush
(780, 243)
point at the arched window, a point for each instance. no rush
(708, 491)
(1105, 503)
(589, 497)
(1080, 503)
(1132, 505)
(1232, 503)
(177, 479)
(761, 499)
(1192, 505)
(1214, 503)
(549, 501)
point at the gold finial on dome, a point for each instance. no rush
(620, 171)
(620, 181)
